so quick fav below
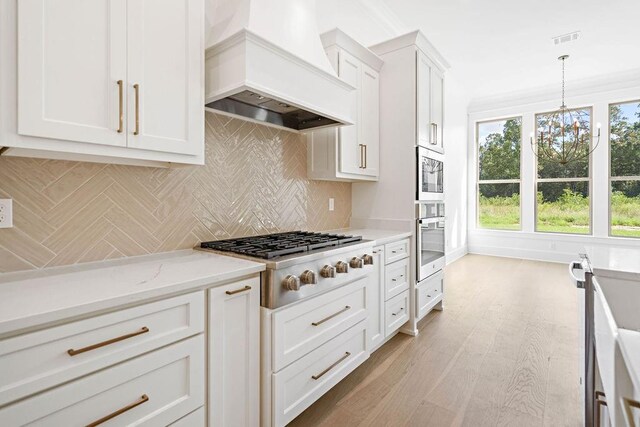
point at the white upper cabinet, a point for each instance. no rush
(430, 103)
(350, 153)
(107, 80)
(166, 100)
(72, 72)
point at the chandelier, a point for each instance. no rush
(565, 135)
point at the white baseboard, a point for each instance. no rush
(456, 254)
(520, 253)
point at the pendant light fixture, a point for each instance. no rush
(565, 136)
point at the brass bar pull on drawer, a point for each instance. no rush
(120, 107)
(237, 291)
(629, 405)
(136, 88)
(331, 317)
(73, 352)
(317, 377)
(599, 403)
(144, 398)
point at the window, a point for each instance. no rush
(562, 198)
(624, 155)
(499, 174)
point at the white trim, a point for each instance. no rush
(456, 254)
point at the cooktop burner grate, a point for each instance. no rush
(279, 244)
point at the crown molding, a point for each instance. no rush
(614, 81)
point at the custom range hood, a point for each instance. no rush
(265, 63)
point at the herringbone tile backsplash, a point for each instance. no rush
(254, 182)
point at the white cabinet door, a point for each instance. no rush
(165, 73)
(234, 354)
(437, 109)
(351, 152)
(369, 127)
(423, 99)
(375, 305)
(72, 70)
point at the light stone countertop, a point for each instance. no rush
(617, 262)
(381, 237)
(30, 299)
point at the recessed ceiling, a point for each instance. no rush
(501, 46)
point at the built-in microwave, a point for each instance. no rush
(430, 240)
(430, 173)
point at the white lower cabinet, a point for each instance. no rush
(429, 293)
(234, 354)
(396, 312)
(300, 384)
(375, 327)
(157, 388)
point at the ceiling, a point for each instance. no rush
(501, 46)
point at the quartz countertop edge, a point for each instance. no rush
(630, 344)
(32, 299)
(380, 237)
(619, 262)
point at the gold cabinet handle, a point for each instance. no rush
(434, 134)
(365, 156)
(136, 88)
(237, 291)
(144, 398)
(360, 160)
(331, 317)
(337, 362)
(120, 106)
(73, 352)
(629, 405)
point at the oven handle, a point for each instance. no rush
(431, 220)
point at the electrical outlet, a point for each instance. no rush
(6, 213)
(331, 204)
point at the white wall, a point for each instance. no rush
(527, 243)
(370, 22)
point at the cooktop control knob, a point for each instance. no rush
(328, 271)
(356, 262)
(368, 259)
(308, 277)
(342, 267)
(291, 283)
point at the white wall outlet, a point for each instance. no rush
(331, 204)
(6, 213)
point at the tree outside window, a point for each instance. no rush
(624, 146)
(499, 145)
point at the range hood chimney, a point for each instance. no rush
(265, 63)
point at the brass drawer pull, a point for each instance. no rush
(144, 398)
(136, 88)
(331, 317)
(73, 352)
(365, 156)
(317, 377)
(120, 107)
(237, 291)
(629, 405)
(393, 314)
(395, 279)
(361, 160)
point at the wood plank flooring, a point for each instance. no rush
(504, 352)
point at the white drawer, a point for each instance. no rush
(297, 386)
(429, 293)
(33, 362)
(396, 278)
(396, 312)
(157, 388)
(195, 418)
(299, 329)
(396, 251)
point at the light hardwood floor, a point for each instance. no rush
(504, 352)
